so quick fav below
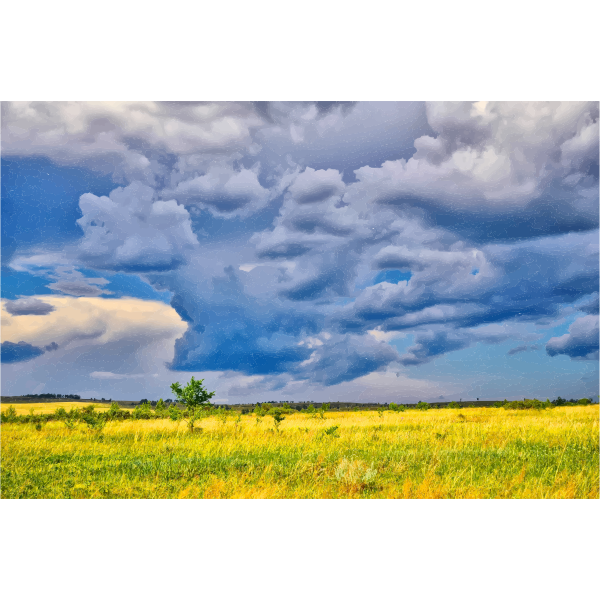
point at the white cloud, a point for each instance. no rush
(131, 232)
(111, 135)
(224, 191)
(109, 375)
(495, 156)
(95, 321)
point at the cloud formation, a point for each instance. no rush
(581, 343)
(112, 376)
(21, 351)
(304, 241)
(28, 306)
(128, 231)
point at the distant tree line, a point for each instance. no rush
(52, 396)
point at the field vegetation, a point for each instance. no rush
(61, 450)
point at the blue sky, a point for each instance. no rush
(312, 251)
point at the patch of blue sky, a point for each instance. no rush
(207, 226)
(402, 344)
(343, 301)
(390, 275)
(40, 202)
(20, 283)
(123, 284)
(496, 374)
(133, 286)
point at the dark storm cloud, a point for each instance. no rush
(19, 352)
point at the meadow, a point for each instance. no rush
(446, 453)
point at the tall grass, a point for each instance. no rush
(454, 453)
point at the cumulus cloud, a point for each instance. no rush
(301, 207)
(591, 307)
(21, 351)
(222, 190)
(128, 231)
(581, 343)
(316, 186)
(490, 159)
(94, 321)
(28, 306)
(130, 138)
(232, 331)
(345, 358)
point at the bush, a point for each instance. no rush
(584, 401)
(454, 405)
(10, 416)
(114, 412)
(71, 417)
(94, 421)
(423, 406)
(142, 411)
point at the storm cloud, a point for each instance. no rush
(286, 232)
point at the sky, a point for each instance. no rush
(301, 251)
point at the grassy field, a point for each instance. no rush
(450, 453)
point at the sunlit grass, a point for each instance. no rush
(450, 453)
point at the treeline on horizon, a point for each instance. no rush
(144, 411)
(51, 396)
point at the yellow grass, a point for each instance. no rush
(447, 453)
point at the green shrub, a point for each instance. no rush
(142, 411)
(584, 401)
(423, 406)
(10, 416)
(114, 412)
(69, 418)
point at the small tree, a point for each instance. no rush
(196, 399)
(324, 407)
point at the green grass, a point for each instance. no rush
(474, 453)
